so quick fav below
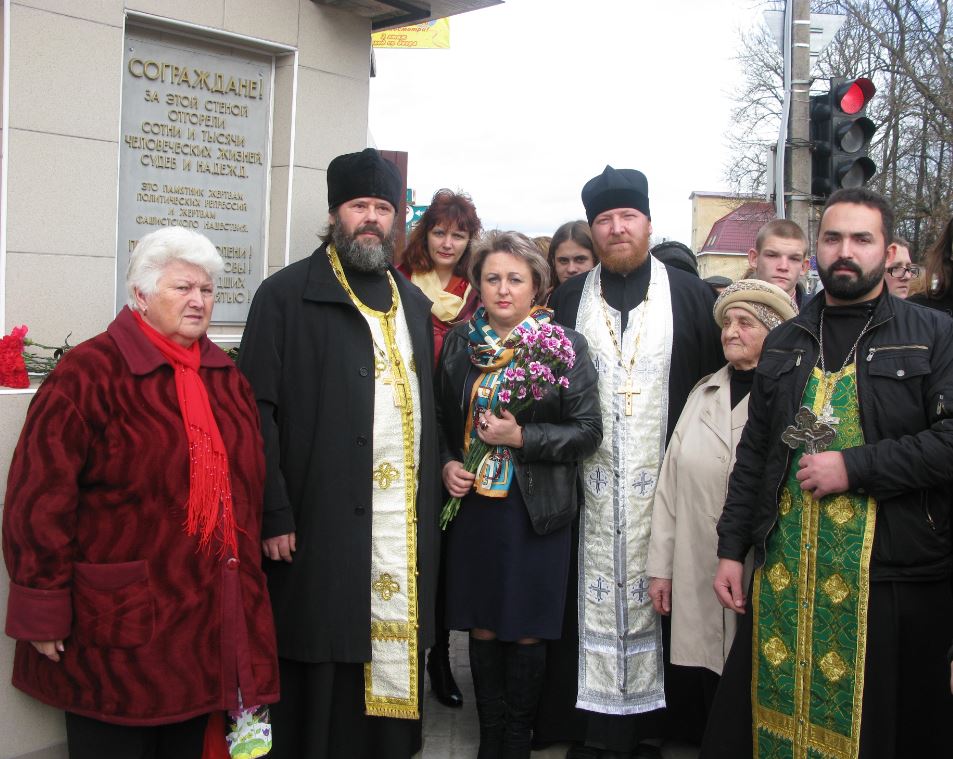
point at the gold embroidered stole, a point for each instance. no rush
(810, 606)
(391, 677)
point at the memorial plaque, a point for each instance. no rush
(194, 152)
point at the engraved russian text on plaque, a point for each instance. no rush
(194, 152)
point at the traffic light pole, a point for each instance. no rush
(797, 176)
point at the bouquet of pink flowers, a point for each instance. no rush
(540, 359)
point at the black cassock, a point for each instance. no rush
(696, 353)
(309, 356)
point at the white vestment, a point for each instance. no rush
(620, 634)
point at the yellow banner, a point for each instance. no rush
(432, 35)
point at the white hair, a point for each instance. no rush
(157, 249)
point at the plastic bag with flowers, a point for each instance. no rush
(541, 356)
(249, 731)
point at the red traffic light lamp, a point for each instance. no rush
(841, 135)
(852, 96)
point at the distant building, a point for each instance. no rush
(725, 250)
(708, 207)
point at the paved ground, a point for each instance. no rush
(454, 733)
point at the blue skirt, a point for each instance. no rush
(501, 575)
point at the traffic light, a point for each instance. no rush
(841, 135)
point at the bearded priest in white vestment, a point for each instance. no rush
(652, 338)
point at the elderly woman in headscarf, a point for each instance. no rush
(693, 483)
(132, 521)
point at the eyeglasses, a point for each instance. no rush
(898, 271)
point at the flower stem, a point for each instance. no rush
(449, 511)
(475, 453)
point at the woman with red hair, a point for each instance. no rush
(437, 257)
(436, 260)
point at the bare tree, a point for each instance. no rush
(757, 111)
(903, 46)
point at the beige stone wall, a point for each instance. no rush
(722, 265)
(62, 165)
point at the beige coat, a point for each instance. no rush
(691, 494)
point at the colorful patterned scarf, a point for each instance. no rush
(491, 356)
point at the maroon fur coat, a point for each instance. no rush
(155, 630)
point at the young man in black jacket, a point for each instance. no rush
(842, 488)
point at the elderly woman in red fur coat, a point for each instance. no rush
(132, 520)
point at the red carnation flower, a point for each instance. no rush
(12, 368)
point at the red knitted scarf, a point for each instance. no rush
(209, 481)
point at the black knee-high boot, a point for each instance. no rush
(525, 667)
(488, 667)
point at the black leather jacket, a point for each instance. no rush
(905, 394)
(559, 431)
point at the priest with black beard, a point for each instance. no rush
(841, 487)
(652, 339)
(338, 349)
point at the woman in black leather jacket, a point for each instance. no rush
(508, 548)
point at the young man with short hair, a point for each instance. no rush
(780, 256)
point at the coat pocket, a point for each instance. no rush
(113, 604)
(902, 368)
(776, 362)
(549, 494)
(899, 376)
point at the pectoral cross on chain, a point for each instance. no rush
(814, 434)
(628, 390)
(400, 389)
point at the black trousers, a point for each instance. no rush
(89, 738)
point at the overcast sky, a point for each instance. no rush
(537, 96)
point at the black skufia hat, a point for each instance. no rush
(616, 188)
(364, 175)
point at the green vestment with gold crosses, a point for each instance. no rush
(810, 604)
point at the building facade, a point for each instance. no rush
(724, 228)
(119, 116)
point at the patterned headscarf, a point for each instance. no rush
(767, 303)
